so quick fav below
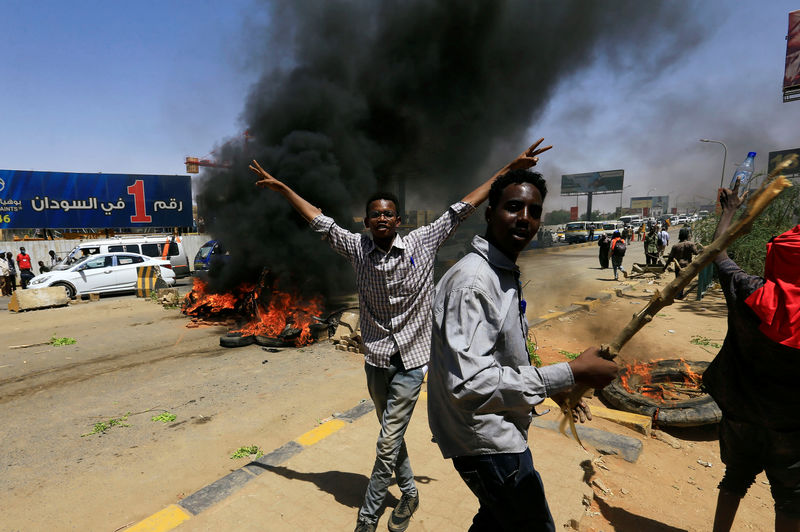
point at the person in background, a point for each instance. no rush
(642, 232)
(682, 253)
(13, 270)
(605, 246)
(43, 268)
(662, 241)
(5, 283)
(618, 248)
(754, 377)
(54, 259)
(651, 247)
(591, 232)
(25, 268)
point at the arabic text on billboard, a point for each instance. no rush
(31, 199)
(601, 182)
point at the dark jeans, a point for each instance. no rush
(509, 490)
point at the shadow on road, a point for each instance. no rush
(347, 488)
(622, 519)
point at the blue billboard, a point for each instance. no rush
(31, 199)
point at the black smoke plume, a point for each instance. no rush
(356, 96)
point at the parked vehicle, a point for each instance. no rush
(579, 232)
(149, 245)
(209, 252)
(102, 273)
(609, 226)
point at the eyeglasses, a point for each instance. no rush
(378, 214)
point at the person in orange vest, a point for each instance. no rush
(618, 248)
(24, 262)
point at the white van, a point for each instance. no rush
(150, 245)
(609, 226)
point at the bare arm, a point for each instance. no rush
(306, 210)
(526, 160)
(730, 201)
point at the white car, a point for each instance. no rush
(102, 273)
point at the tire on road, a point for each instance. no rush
(269, 341)
(236, 340)
(689, 413)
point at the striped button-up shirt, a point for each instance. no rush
(395, 289)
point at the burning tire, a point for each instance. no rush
(236, 339)
(674, 410)
(269, 341)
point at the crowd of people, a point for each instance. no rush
(11, 267)
(470, 331)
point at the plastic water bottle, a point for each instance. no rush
(744, 173)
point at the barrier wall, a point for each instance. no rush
(38, 249)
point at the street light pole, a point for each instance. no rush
(724, 158)
(621, 192)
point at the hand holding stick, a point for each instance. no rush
(768, 191)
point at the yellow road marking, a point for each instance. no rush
(323, 431)
(166, 519)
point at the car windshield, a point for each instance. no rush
(609, 226)
(205, 251)
(575, 226)
(78, 261)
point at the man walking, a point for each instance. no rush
(394, 276)
(618, 248)
(651, 247)
(12, 276)
(482, 388)
(682, 253)
(663, 240)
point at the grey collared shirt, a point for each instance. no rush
(395, 288)
(481, 386)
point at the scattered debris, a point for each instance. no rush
(599, 462)
(704, 463)
(667, 438)
(348, 334)
(271, 350)
(671, 331)
(264, 361)
(602, 487)
(623, 491)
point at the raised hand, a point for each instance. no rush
(265, 179)
(729, 199)
(528, 158)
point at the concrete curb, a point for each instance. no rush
(605, 442)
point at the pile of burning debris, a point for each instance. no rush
(259, 313)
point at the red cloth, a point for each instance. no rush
(24, 261)
(777, 303)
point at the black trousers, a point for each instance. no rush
(509, 490)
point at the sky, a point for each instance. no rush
(136, 87)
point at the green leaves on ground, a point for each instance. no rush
(569, 354)
(702, 340)
(534, 357)
(244, 452)
(102, 426)
(58, 341)
(164, 417)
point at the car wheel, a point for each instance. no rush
(68, 287)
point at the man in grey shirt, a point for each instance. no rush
(394, 276)
(482, 388)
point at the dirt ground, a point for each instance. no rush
(138, 360)
(667, 489)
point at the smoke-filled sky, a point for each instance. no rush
(442, 92)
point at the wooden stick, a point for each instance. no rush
(768, 191)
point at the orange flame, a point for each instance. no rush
(284, 309)
(638, 379)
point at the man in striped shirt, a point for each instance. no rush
(394, 276)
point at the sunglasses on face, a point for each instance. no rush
(377, 214)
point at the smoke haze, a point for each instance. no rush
(356, 95)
